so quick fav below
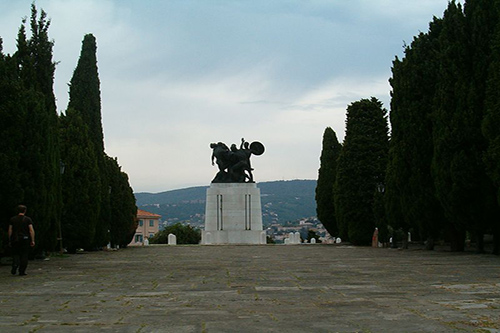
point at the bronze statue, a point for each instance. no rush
(234, 164)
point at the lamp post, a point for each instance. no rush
(110, 244)
(383, 219)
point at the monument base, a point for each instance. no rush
(233, 215)
(233, 237)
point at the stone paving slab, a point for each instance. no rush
(255, 288)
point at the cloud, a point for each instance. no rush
(177, 75)
(117, 41)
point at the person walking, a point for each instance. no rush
(21, 237)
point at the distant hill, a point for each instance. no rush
(282, 201)
(174, 196)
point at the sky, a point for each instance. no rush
(177, 75)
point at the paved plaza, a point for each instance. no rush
(256, 288)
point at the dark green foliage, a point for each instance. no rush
(185, 235)
(31, 153)
(450, 158)
(81, 184)
(392, 199)
(12, 113)
(83, 156)
(85, 98)
(40, 58)
(39, 156)
(325, 208)
(361, 170)
(379, 214)
(123, 210)
(113, 204)
(491, 120)
(410, 197)
(270, 240)
(312, 234)
(464, 190)
(482, 19)
(85, 94)
(444, 129)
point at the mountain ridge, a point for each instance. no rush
(282, 201)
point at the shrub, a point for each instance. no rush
(185, 235)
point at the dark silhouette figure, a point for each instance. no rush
(234, 164)
(21, 237)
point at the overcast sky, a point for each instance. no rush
(177, 75)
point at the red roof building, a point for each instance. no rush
(148, 224)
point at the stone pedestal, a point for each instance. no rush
(233, 214)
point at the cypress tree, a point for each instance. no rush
(12, 115)
(491, 130)
(482, 19)
(85, 94)
(361, 169)
(393, 205)
(398, 169)
(491, 123)
(410, 185)
(114, 201)
(450, 102)
(39, 158)
(463, 188)
(326, 180)
(81, 183)
(123, 208)
(85, 100)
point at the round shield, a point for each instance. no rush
(257, 148)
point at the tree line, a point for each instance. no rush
(438, 174)
(76, 194)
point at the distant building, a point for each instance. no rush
(147, 225)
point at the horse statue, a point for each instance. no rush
(234, 163)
